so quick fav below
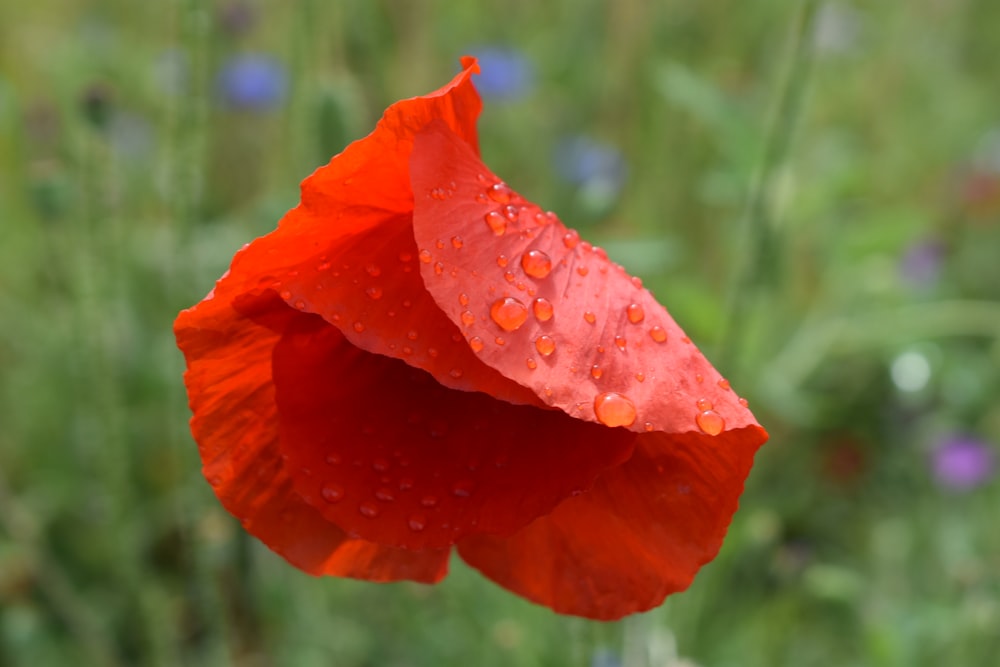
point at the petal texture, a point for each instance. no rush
(551, 312)
(228, 349)
(639, 535)
(389, 455)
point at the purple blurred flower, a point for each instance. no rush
(961, 463)
(254, 82)
(920, 265)
(506, 74)
(591, 165)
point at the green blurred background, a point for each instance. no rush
(812, 188)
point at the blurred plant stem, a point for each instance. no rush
(759, 263)
(93, 638)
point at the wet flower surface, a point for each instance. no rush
(419, 359)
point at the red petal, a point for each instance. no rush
(235, 423)
(610, 338)
(639, 535)
(347, 252)
(393, 457)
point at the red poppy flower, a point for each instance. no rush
(417, 359)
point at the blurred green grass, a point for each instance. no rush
(854, 209)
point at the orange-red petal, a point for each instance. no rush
(639, 535)
(596, 332)
(383, 451)
(235, 423)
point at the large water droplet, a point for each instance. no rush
(545, 345)
(499, 192)
(711, 422)
(496, 222)
(536, 263)
(658, 333)
(635, 313)
(332, 493)
(368, 509)
(542, 308)
(614, 409)
(508, 313)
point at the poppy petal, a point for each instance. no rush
(389, 455)
(551, 312)
(235, 423)
(347, 251)
(640, 534)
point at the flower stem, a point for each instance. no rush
(759, 266)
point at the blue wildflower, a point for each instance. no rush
(506, 74)
(254, 82)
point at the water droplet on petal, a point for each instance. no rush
(571, 238)
(511, 213)
(536, 263)
(468, 319)
(501, 261)
(703, 404)
(462, 488)
(582, 270)
(614, 409)
(620, 342)
(500, 341)
(417, 522)
(724, 384)
(425, 256)
(359, 327)
(508, 313)
(368, 509)
(640, 376)
(542, 308)
(545, 345)
(463, 299)
(405, 257)
(385, 495)
(457, 242)
(658, 333)
(429, 501)
(711, 422)
(532, 364)
(374, 292)
(744, 402)
(455, 373)
(373, 270)
(635, 313)
(332, 493)
(637, 282)
(439, 244)
(476, 343)
(499, 192)
(412, 334)
(438, 268)
(590, 317)
(699, 378)
(496, 222)
(596, 372)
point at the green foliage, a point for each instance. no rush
(812, 189)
